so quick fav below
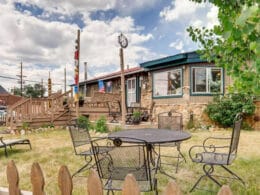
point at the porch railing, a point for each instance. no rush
(30, 108)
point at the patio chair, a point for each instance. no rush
(114, 110)
(171, 120)
(123, 158)
(217, 151)
(81, 141)
(4, 143)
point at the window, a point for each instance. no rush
(167, 83)
(108, 87)
(207, 80)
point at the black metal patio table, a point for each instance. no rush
(151, 136)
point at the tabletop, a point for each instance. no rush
(152, 136)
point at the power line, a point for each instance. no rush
(18, 79)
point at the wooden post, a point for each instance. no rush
(225, 190)
(130, 186)
(172, 188)
(65, 181)
(12, 178)
(123, 107)
(37, 179)
(94, 184)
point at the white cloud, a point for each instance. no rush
(179, 9)
(195, 14)
(178, 45)
(49, 46)
(212, 17)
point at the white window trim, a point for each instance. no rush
(171, 95)
(208, 71)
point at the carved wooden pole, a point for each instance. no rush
(122, 40)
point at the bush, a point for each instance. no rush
(223, 109)
(101, 125)
(84, 122)
(25, 126)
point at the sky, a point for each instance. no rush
(41, 34)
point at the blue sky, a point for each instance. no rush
(42, 34)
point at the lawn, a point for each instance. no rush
(53, 148)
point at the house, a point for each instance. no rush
(182, 82)
(6, 98)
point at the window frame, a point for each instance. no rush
(167, 96)
(106, 88)
(207, 93)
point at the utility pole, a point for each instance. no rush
(42, 88)
(21, 78)
(65, 80)
(49, 85)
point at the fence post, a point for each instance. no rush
(225, 190)
(12, 178)
(94, 184)
(37, 179)
(172, 189)
(130, 186)
(65, 181)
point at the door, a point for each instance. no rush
(131, 90)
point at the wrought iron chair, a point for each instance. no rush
(123, 158)
(216, 154)
(171, 120)
(81, 141)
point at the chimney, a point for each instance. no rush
(86, 73)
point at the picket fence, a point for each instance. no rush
(94, 185)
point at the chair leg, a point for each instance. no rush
(233, 174)
(208, 173)
(84, 167)
(6, 154)
(180, 156)
(197, 182)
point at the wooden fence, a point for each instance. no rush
(93, 187)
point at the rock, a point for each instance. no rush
(22, 132)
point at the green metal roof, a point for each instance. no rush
(175, 60)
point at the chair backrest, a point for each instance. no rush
(235, 137)
(170, 120)
(79, 137)
(121, 159)
(114, 107)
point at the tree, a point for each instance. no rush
(34, 91)
(234, 44)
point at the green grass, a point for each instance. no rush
(53, 148)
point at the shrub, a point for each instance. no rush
(25, 126)
(223, 109)
(84, 122)
(101, 125)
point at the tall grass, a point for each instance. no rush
(53, 148)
